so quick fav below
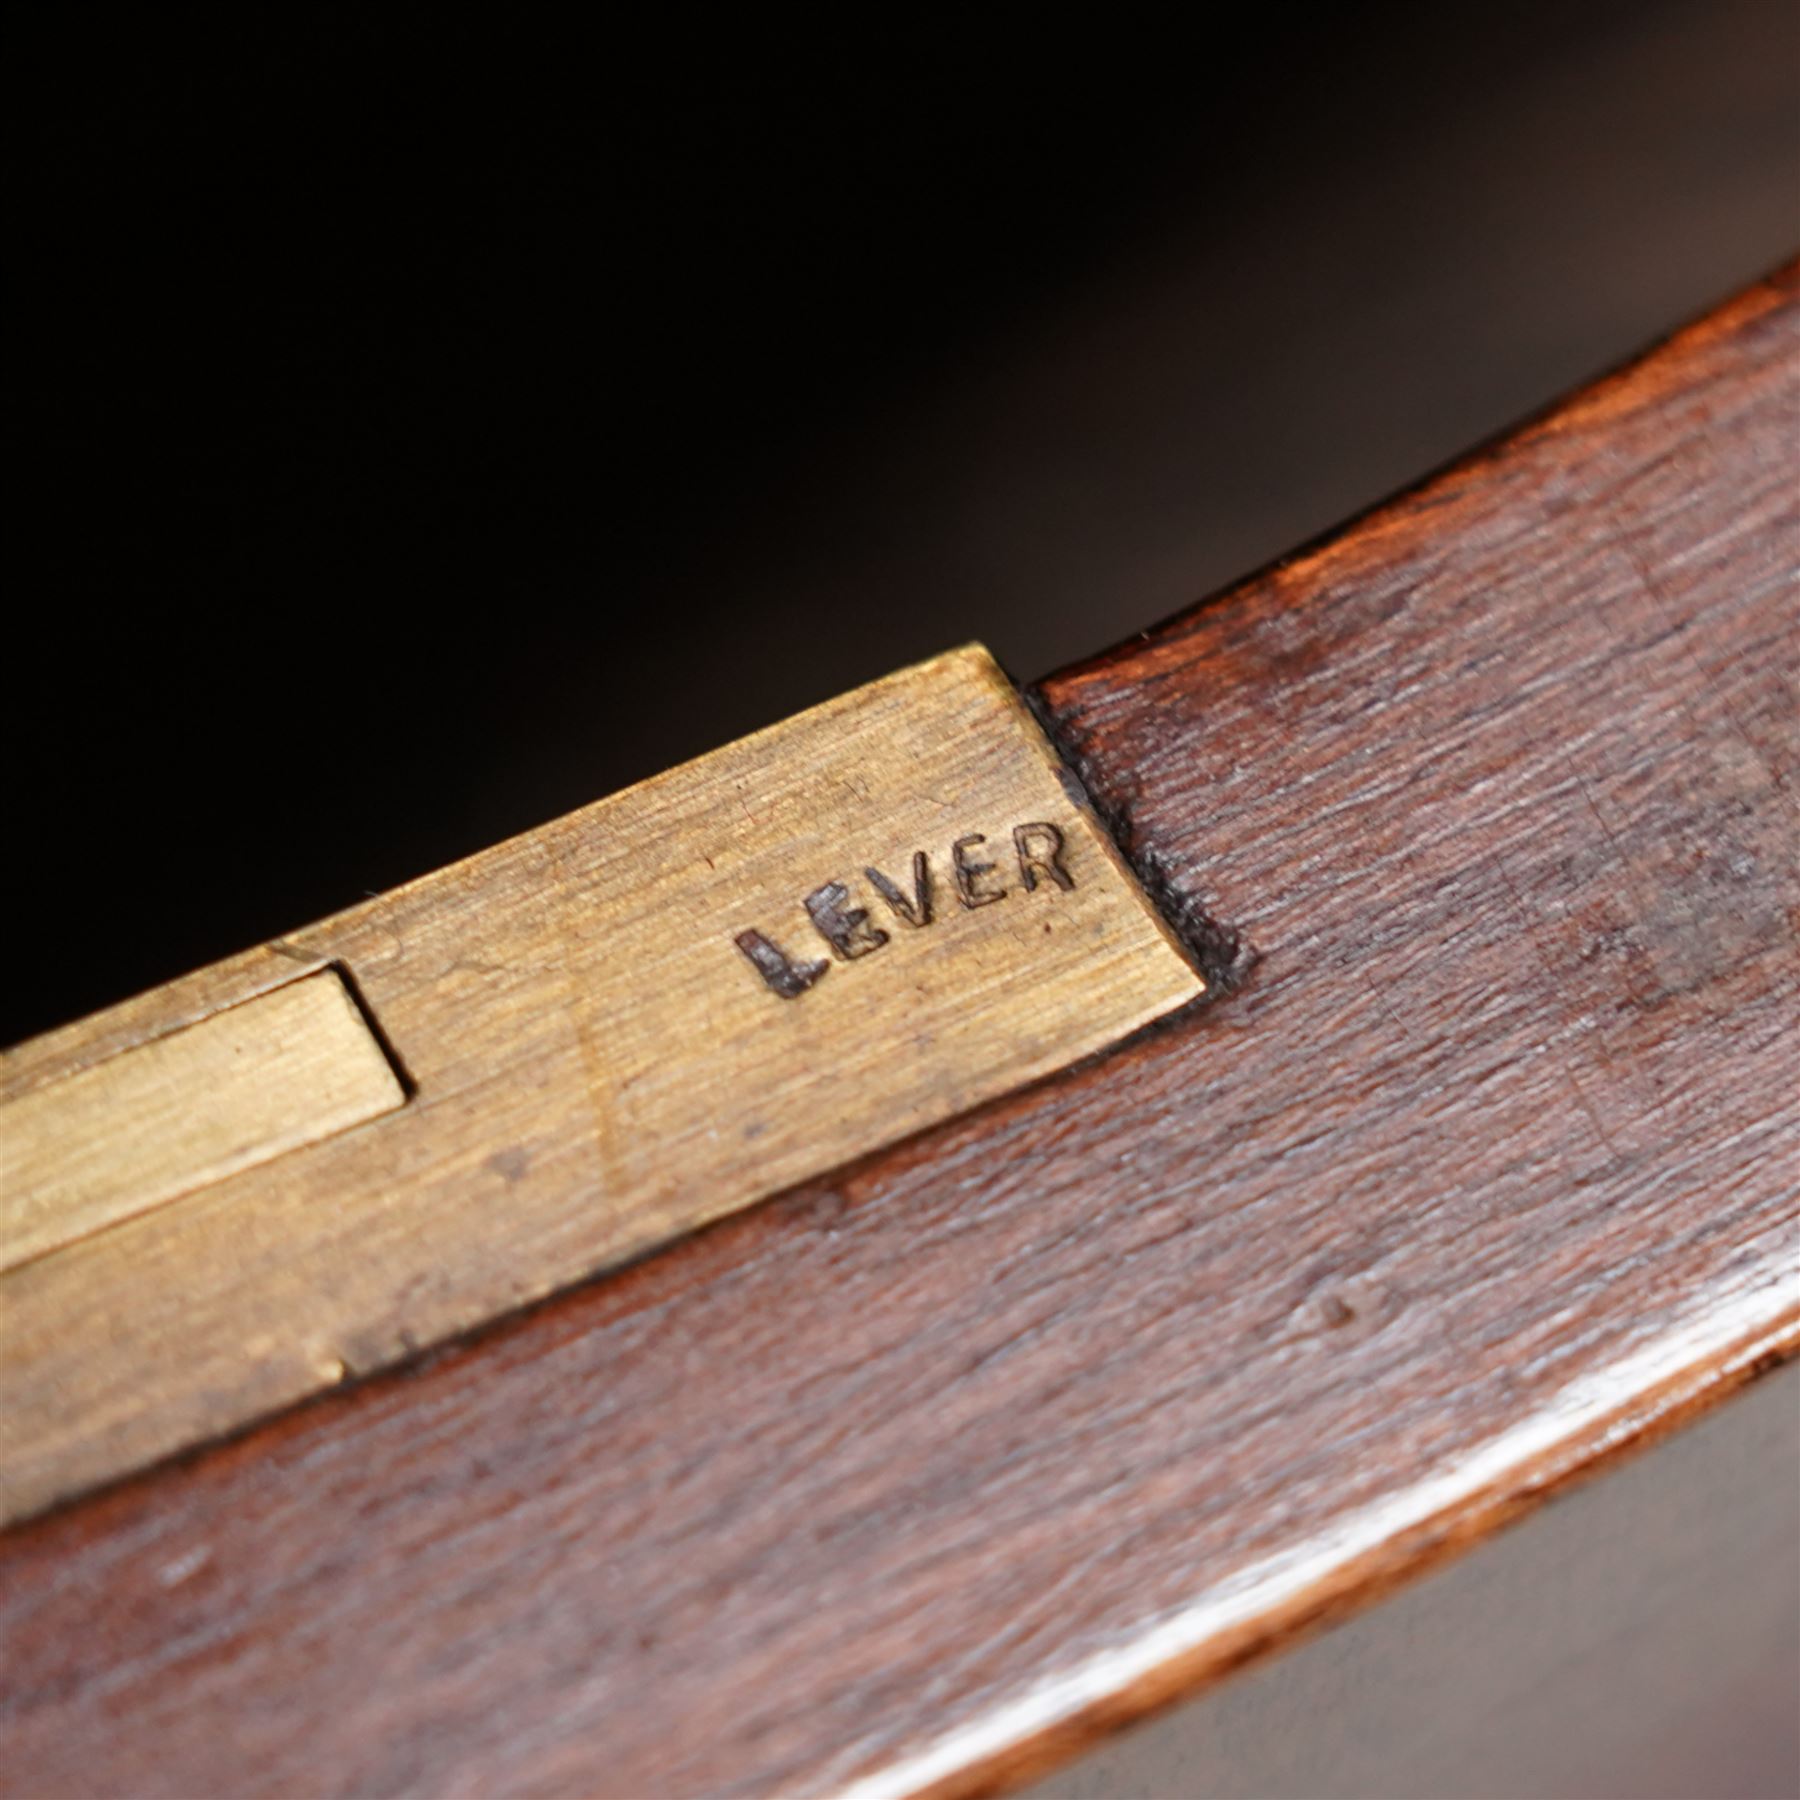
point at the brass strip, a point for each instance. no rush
(737, 975)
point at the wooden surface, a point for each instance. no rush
(1479, 1167)
(747, 970)
(1639, 1638)
(180, 1111)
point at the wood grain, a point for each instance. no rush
(601, 1062)
(180, 1111)
(1479, 1168)
(1640, 1638)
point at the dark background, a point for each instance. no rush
(425, 430)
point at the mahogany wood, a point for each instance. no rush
(1641, 1637)
(1479, 1168)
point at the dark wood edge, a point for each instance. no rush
(1360, 1582)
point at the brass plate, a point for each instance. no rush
(744, 972)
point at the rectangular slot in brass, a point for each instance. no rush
(239, 1088)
